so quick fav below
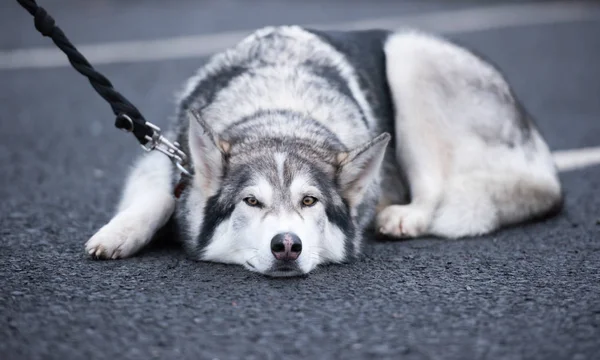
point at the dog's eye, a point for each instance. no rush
(309, 200)
(251, 201)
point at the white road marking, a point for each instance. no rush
(445, 22)
(567, 160)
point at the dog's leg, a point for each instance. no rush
(423, 155)
(146, 205)
(477, 204)
(425, 178)
(421, 149)
(473, 158)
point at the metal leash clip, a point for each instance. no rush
(162, 144)
(171, 149)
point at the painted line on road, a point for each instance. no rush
(181, 47)
(568, 160)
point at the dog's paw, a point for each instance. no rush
(120, 238)
(402, 221)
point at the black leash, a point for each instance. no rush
(128, 117)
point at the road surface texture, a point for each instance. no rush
(529, 292)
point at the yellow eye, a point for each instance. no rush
(251, 201)
(309, 200)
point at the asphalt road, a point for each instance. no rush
(529, 292)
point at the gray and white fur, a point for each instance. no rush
(306, 139)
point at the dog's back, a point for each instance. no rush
(325, 76)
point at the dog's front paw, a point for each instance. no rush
(402, 221)
(120, 238)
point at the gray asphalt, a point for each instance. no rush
(529, 292)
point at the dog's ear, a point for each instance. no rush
(208, 152)
(358, 167)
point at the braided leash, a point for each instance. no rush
(128, 117)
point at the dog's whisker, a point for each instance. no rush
(243, 249)
(317, 256)
(326, 251)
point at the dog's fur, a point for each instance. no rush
(291, 112)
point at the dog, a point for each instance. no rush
(302, 140)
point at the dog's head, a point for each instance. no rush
(278, 208)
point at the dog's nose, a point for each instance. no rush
(286, 246)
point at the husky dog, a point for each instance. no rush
(304, 139)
